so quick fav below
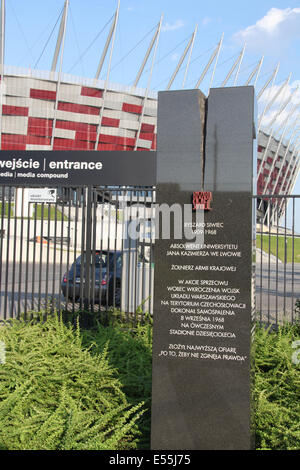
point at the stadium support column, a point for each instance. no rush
(181, 59)
(60, 36)
(255, 73)
(108, 41)
(148, 84)
(267, 83)
(189, 57)
(64, 23)
(145, 60)
(2, 36)
(2, 64)
(214, 56)
(107, 74)
(272, 101)
(237, 65)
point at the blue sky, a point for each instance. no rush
(29, 24)
(269, 28)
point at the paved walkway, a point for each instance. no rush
(277, 289)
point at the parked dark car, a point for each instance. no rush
(105, 278)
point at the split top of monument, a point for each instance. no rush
(230, 148)
(180, 138)
(207, 143)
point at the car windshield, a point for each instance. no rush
(97, 259)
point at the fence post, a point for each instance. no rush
(87, 290)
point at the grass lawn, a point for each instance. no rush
(6, 209)
(38, 212)
(46, 214)
(277, 247)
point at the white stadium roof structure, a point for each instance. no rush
(51, 110)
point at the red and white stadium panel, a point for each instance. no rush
(28, 116)
(275, 176)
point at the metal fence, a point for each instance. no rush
(278, 259)
(76, 255)
(93, 251)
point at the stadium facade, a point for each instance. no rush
(37, 117)
(54, 111)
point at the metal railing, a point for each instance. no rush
(78, 254)
(278, 259)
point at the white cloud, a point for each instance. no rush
(272, 33)
(171, 27)
(206, 21)
(281, 119)
(286, 93)
(268, 117)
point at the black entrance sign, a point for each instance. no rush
(76, 168)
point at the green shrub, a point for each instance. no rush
(130, 353)
(55, 394)
(297, 308)
(62, 388)
(277, 389)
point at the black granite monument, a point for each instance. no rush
(204, 290)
